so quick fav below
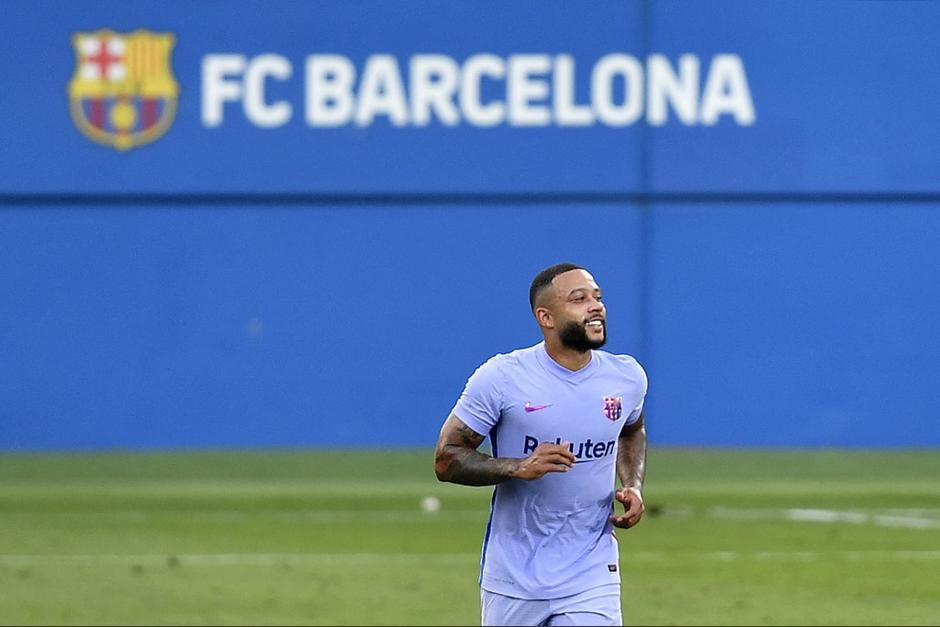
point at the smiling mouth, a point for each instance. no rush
(595, 324)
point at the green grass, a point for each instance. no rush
(337, 538)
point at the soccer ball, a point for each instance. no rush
(430, 504)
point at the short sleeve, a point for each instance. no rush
(644, 386)
(480, 403)
(635, 414)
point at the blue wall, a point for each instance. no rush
(234, 285)
(795, 324)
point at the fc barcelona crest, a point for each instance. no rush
(123, 93)
(613, 407)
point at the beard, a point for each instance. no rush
(574, 336)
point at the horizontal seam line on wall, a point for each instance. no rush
(537, 198)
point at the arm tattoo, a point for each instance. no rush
(457, 459)
(631, 455)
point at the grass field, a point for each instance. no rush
(338, 538)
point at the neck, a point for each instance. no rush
(569, 358)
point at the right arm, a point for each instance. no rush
(457, 459)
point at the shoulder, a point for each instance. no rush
(519, 358)
(501, 365)
(624, 364)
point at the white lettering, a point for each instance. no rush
(433, 79)
(216, 89)
(726, 91)
(602, 79)
(664, 86)
(476, 67)
(257, 110)
(567, 113)
(523, 88)
(381, 92)
(330, 79)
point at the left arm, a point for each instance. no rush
(631, 469)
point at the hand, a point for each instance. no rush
(545, 458)
(632, 501)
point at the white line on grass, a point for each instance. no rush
(782, 556)
(234, 559)
(906, 518)
(469, 559)
(251, 516)
(859, 518)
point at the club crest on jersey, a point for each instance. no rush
(613, 407)
(123, 93)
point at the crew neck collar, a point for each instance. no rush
(562, 372)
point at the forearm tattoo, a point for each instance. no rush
(457, 459)
(631, 457)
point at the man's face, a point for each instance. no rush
(581, 318)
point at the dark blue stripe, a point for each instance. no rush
(588, 461)
(129, 201)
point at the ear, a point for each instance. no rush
(544, 317)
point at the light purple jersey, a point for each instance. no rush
(551, 537)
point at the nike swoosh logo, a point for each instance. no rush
(529, 407)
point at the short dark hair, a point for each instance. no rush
(544, 278)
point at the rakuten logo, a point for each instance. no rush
(588, 449)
